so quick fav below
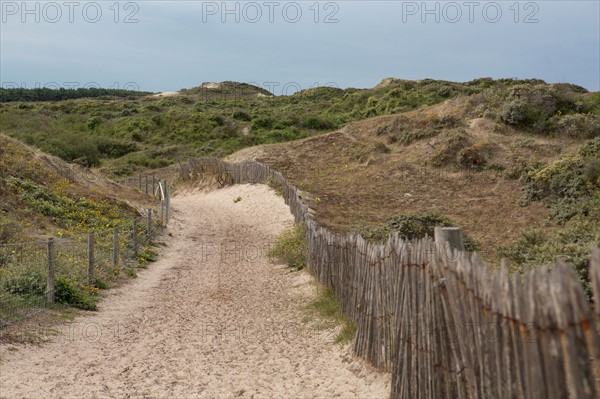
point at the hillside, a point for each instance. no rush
(126, 135)
(513, 162)
(42, 196)
(527, 189)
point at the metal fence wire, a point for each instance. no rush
(23, 285)
(30, 271)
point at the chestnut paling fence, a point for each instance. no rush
(441, 320)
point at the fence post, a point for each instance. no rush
(51, 281)
(116, 247)
(135, 238)
(153, 185)
(90, 270)
(140, 181)
(162, 216)
(450, 235)
(149, 225)
(168, 195)
(146, 190)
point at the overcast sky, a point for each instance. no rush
(169, 45)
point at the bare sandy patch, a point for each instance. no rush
(214, 317)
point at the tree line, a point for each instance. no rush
(48, 94)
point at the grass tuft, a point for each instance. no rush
(291, 247)
(327, 306)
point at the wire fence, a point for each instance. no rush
(443, 322)
(34, 274)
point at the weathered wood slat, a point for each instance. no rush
(441, 320)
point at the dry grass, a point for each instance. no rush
(346, 190)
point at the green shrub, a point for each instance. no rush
(447, 151)
(578, 126)
(73, 147)
(409, 227)
(536, 108)
(241, 116)
(147, 255)
(217, 120)
(34, 284)
(93, 123)
(571, 188)
(473, 157)
(100, 284)
(29, 283)
(573, 244)
(112, 148)
(68, 294)
(313, 122)
(291, 247)
(567, 185)
(263, 123)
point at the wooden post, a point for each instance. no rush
(140, 181)
(90, 270)
(153, 185)
(116, 247)
(149, 225)
(146, 190)
(135, 238)
(51, 280)
(168, 190)
(162, 211)
(450, 235)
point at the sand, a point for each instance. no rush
(166, 94)
(213, 318)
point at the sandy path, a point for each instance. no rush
(212, 318)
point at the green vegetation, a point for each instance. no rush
(125, 133)
(31, 285)
(147, 255)
(327, 306)
(406, 130)
(76, 214)
(291, 248)
(448, 151)
(275, 185)
(47, 94)
(39, 198)
(37, 202)
(561, 110)
(130, 134)
(68, 294)
(409, 227)
(570, 187)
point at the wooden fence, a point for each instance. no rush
(440, 319)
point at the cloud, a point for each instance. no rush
(182, 43)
